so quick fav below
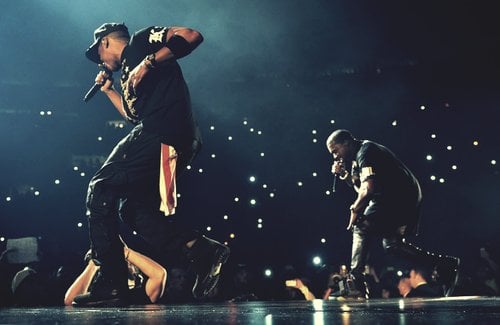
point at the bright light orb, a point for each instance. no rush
(316, 260)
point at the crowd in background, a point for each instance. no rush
(36, 279)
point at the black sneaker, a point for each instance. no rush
(446, 273)
(103, 292)
(210, 256)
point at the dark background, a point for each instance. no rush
(293, 70)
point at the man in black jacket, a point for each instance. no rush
(387, 205)
(138, 179)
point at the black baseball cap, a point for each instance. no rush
(99, 33)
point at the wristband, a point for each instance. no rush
(178, 46)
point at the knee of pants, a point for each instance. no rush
(100, 199)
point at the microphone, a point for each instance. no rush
(334, 183)
(335, 176)
(95, 88)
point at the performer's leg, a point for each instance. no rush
(109, 184)
(362, 239)
(169, 238)
(446, 267)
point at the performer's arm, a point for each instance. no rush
(365, 192)
(110, 91)
(156, 274)
(81, 284)
(180, 41)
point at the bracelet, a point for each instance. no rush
(150, 61)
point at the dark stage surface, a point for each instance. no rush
(456, 310)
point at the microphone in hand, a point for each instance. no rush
(95, 88)
(336, 172)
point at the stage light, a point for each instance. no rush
(232, 235)
(271, 195)
(178, 195)
(37, 193)
(253, 202)
(422, 108)
(134, 233)
(226, 217)
(449, 148)
(236, 199)
(57, 182)
(314, 174)
(268, 273)
(441, 180)
(259, 220)
(212, 127)
(315, 140)
(433, 136)
(316, 260)
(493, 162)
(251, 179)
(209, 228)
(262, 154)
(42, 113)
(213, 155)
(75, 168)
(82, 174)
(332, 121)
(475, 143)
(399, 273)
(323, 240)
(454, 167)
(230, 138)
(259, 226)
(200, 170)
(327, 192)
(245, 122)
(394, 123)
(433, 178)
(8, 199)
(299, 183)
(99, 138)
(259, 132)
(2, 238)
(79, 225)
(251, 129)
(314, 132)
(428, 157)
(264, 185)
(188, 167)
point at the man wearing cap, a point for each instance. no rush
(387, 206)
(138, 180)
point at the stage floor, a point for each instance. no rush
(455, 310)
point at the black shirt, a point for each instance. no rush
(397, 191)
(161, 102)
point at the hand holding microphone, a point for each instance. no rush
(338, 170)
(103, 81)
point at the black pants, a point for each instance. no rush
(128, 185)
(370, 229)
